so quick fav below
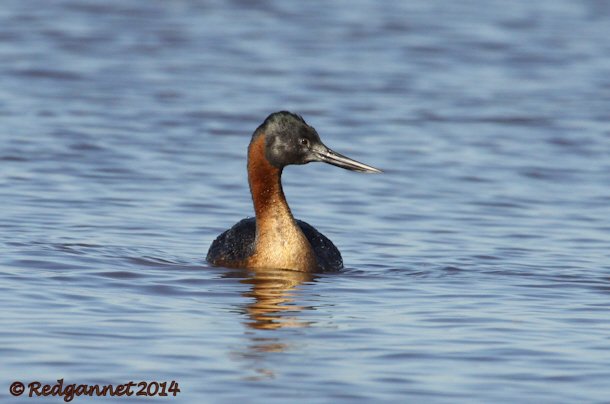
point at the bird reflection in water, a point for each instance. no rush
(272, 307)
(272, 291)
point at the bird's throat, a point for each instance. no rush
(280, 243)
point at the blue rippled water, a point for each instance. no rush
(477, 266)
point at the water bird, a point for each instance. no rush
(274, 238)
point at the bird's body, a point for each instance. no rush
(237, 244)
(274, 238)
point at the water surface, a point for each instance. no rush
(477, 266)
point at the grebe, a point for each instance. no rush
(274, 238)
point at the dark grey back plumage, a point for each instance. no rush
(237, 244)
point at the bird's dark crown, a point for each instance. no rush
(288, 139)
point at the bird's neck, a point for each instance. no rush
(280, 243)
(270, 204)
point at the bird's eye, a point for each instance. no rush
(304, 142)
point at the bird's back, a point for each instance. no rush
(233, 247)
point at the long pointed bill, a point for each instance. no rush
(326, 155)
